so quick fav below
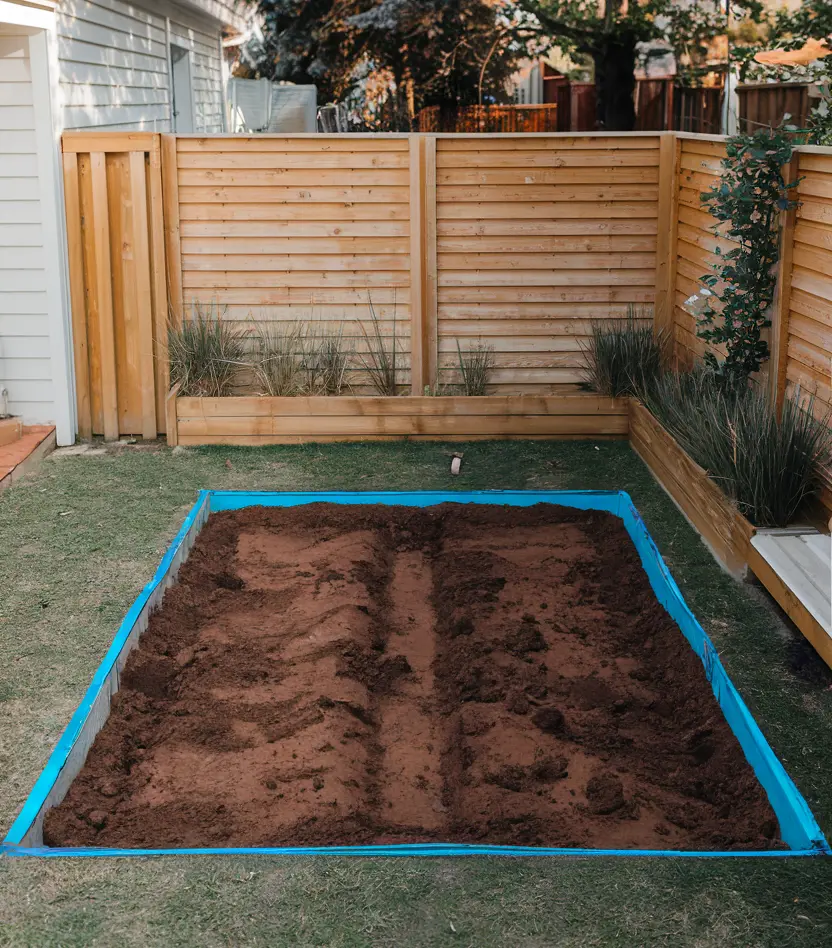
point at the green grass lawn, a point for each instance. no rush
(78, 540)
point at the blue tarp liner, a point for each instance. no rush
(798, 828)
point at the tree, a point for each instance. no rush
(612, 32)
(434, 49)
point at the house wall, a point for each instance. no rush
(115, 67)
(25, 369)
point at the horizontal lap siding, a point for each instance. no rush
(25, 358)
(113, 66)
(699, 169)
(114, 70)
(537, 237)
(283, 230)
(206, 72)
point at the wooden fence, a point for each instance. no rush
(536, 238)
(489, 118)
(113, 194)
(518, 241)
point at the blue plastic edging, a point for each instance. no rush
(798, 827)
(58, 757)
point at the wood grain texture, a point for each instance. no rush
(289, 420)
(804, 305)
(75, 263)
(170, 202)
(726, 533)
(791, 605)
(104, 295)
(523, 223)
(158, 270)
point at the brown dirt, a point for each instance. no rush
(340, 675)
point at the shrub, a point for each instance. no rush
(770, 466)
(380, 360)
(278, 362)
(205, 353)
(474, 368)
(623, 356)
(325, 361)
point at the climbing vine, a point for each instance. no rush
(749, 198)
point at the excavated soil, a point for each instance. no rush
(339, 675)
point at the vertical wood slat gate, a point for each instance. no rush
(115, 241)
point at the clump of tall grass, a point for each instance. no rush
(380, 360)
(325, 361)
(623, 356)
(278, 358)
(770, 464)
(475, 366)
(206, 352)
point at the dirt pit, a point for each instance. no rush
(338, 675)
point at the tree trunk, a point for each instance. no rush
(615, 83)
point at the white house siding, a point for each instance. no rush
(206, 71)
(115, 69)
(25, 366)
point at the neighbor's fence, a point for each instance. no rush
(518, 241)
(488, 118)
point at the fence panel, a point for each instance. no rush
(699, 168)
(117, 281)
(536, 237)
(283, 229)
(809, 331)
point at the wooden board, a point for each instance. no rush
(773, 576)
(289, 420)
(803, 338)
(313, 230)
(725, 532)
(114, 215)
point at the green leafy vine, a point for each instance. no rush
(749, 198)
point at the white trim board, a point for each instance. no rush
(803, 562)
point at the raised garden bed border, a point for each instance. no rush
(798, 827)
(259, 420)
(724, 530)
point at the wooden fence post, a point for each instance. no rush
(142, 292)
(430, 327)
(417, 264)
(173, 253)
(103, 290)
(159, 288)
(668, 222)
(782, 297)
(75, 260)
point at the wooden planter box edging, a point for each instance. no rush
(256, 420)
(725, 532)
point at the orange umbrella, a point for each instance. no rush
(814, 49)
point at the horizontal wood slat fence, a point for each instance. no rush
(518, 241)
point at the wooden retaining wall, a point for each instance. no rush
(726, 532)
(248, 420)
